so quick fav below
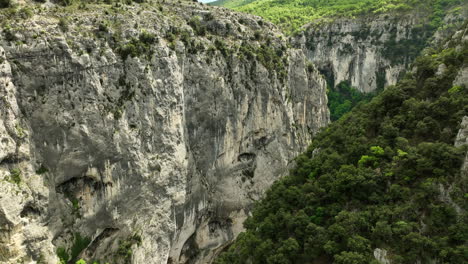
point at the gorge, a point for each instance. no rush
(146, 131)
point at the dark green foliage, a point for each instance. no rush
(185, 37)
(197, 26)
(138, 46)
(343, 98)
(15, 176)
(170, 37)
(380, 80)
(75, 204)
(103, 28)
(117, 114)
(62, 254)
(375, 181)
(8, 33)
(208, 16)
(25, 13)
(63, 24)
(406, 50)
(439, 7)
(257, 35)
(125, 248)
(65, 2)
(147, 38)
(222, 47)
(79, 244)
(195, 47)
(128, 93)
(270, 57)
(42, 170)
(5, 3)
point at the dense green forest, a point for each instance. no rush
(343, 97)
(292, 14)
(376, 178)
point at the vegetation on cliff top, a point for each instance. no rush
(386, 175)
(292, 14)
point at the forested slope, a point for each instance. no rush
(292, 14)
(383, 182)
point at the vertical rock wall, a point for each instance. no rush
(150, 153)
(372, 52)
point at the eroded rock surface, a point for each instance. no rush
(151, 128)
(372, 52)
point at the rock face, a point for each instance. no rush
(462, 137)
(143, 134)
(381, 256)
(375, 51)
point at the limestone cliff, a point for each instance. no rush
(143, 133)
(373, 51)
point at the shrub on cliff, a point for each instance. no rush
(5, 3)
(65, 2)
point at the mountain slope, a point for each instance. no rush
(231, 3)
(366, 45)
(381, 185)
(373, 52)
(292, 14)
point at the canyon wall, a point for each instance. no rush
(144, 133)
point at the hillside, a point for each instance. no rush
(291, 15)
(381, 185)
(231, 3)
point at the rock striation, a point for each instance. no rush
(374, 51)
(144, 133)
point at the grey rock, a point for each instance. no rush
(381, 256)
(163, 153)
(375, 51)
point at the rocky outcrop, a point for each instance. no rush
(372, 52)
(462, 137)
(143, 134)
(381, 256)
